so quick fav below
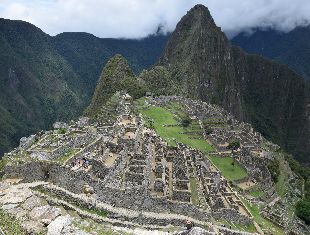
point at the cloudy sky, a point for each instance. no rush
(139, 18)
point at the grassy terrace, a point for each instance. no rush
(164, 120)
(229, 170)
(166, 125)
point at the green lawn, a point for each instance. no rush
(230, 171)
(166, 125)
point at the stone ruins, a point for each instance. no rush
(125, 169)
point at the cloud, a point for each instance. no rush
(139, 18)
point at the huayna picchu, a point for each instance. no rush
(175, 150)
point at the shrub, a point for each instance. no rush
(273, 167)
(186, 121)
(303, 210)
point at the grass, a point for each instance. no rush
(194, 191)
(230, 171)
(249, 228)
(262, 222)
(282, 178)
(9, 224)
(3, 163)
(256, 193)
(93, 227)
(166, 125)
(68, 154)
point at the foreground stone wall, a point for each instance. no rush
(29, 172)
(74, 181)
(137, 199)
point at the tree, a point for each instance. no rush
(234, 145)
(303, 210)
(208, 130)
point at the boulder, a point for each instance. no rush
(59, 125)
(33, 227)
(58, 225)
(26, 142)
(31, 203)
(45, 213)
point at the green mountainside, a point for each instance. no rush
(292, 48)
(88, 54)
(44, 79)
(116, 76)
(37, 85)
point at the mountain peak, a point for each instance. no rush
(114, 72)
(198, 15)
(199, 8)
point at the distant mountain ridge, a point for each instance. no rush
(44, 78)
(291, 48)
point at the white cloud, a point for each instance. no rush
(138, 18)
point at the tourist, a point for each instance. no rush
(189, 225)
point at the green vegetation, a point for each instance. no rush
(160, 81)
(9, 224)
(256, 193)
(95, 211)
(166, 125)
(228, 169)
(249, 228)
(262, 222)
(62, 131)
(93, 227)
(194, 191)
(303, 210)
(116, 70)
(185, 122)
(3, 163)
(54, 77)
(234, 145)
(68, 154)
(303, 206)
(273, 167)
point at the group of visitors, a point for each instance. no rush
(80, 162)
